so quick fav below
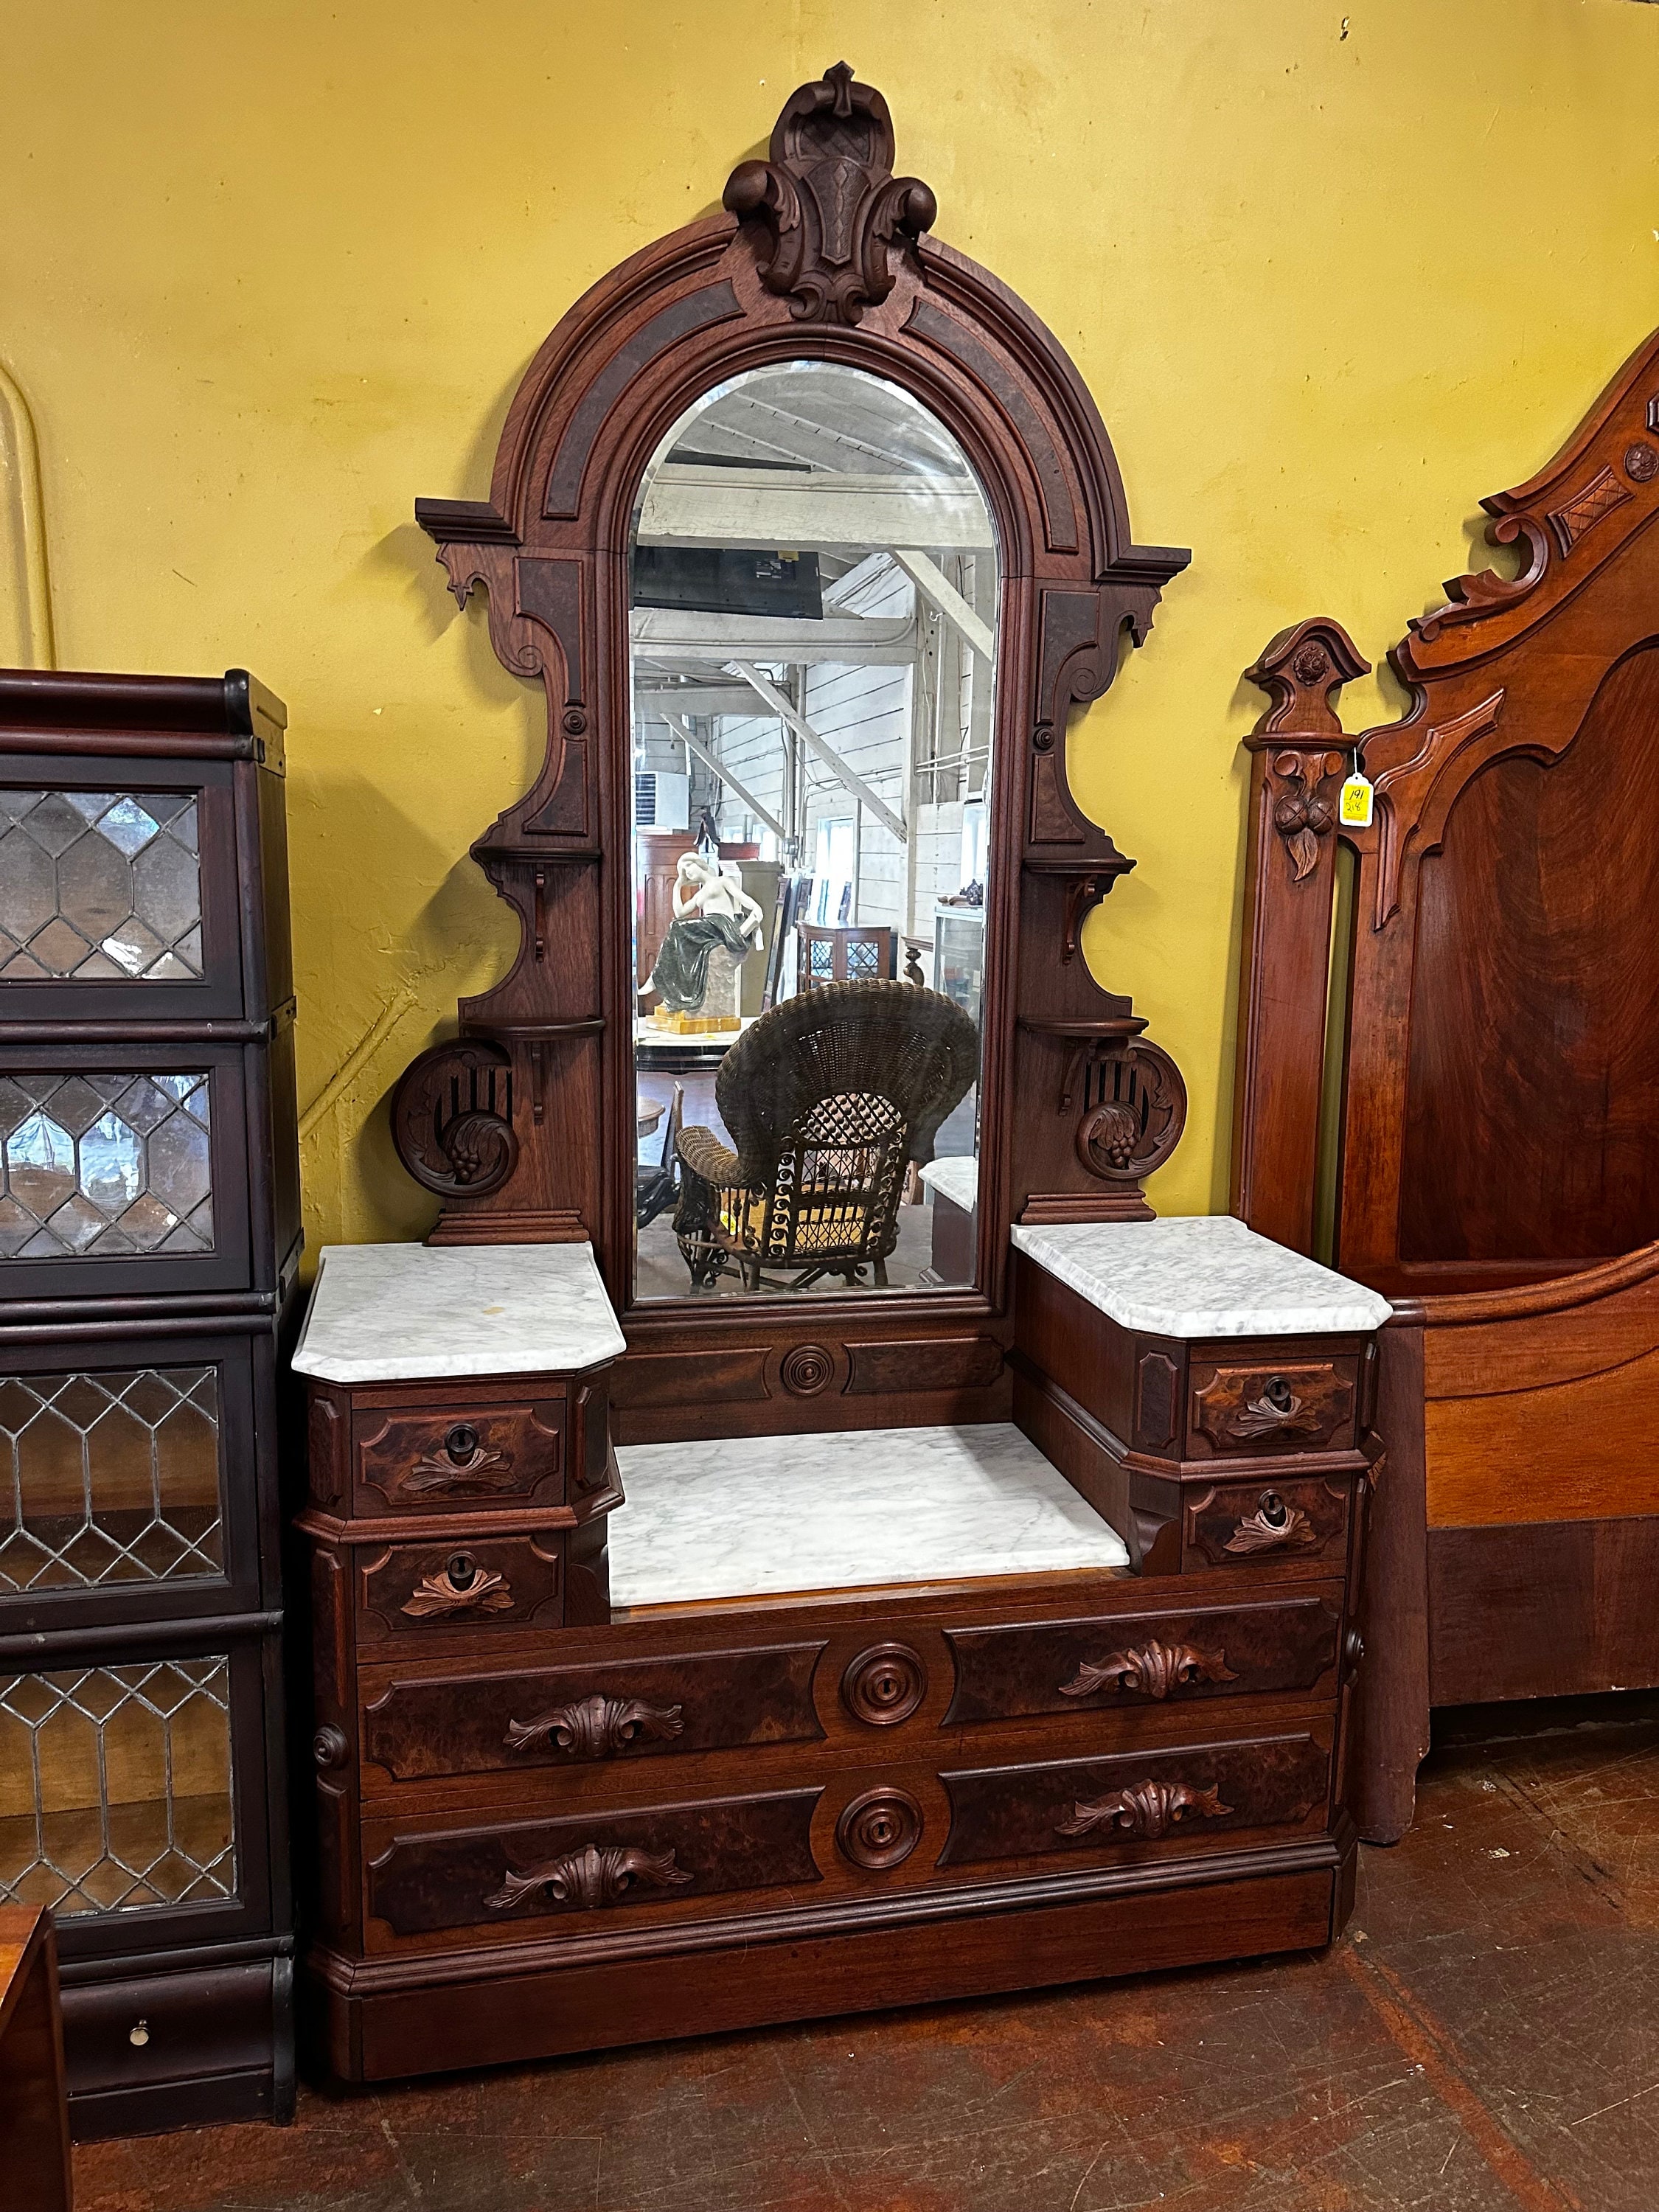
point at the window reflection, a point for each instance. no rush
(814, 611)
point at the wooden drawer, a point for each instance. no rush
(1136, 1659)
(1257, 1409)
(489, 1584)
(1264, 1524)
(128, 2035)
(418, 1727)
(531, 1878)
(422, 1459)
(1145, 1804)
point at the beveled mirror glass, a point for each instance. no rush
(813, 612)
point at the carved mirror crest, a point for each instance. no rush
(813, 537)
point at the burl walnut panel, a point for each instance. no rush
(1200, 1792)
(464, 1723)
(1137, 1659)
(503, 1877)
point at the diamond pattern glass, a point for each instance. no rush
(115, 1786)
(100, 885)
(114, 1478)
(104, 1164)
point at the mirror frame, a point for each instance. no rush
(524, 1125)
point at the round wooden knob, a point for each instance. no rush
(879, 1829)
(329, 1748)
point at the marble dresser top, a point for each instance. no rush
(396, 1313)
(957, 1179)
(752, 1517)
(1208, 1276)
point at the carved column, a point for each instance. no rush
(1300, 758)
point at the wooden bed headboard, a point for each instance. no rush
(1498, 1172)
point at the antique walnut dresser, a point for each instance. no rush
(696, 1661)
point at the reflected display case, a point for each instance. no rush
(149, 1242)
(959, 955)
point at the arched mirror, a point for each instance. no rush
(813, 538)
(812, 633)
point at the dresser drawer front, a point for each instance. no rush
(1143, 1804)
(1141, 1659)
(423, 1459)
(453, 1724)
(514, 1879)
(1264, 1524)
(1262, 1408)
(495, 1585)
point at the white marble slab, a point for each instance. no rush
(753, 1517)
(1206, 1276)
(957, 1179)
(395, 1313)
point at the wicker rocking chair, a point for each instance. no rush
(828, 1097)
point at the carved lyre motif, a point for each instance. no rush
(596, 1727)
(1275, 1526)
(589, 1878)
(830, 200)
(460, 1586)
(451, 1118)
(1135, 1111)
(1150, 1670)
(1146, 1810)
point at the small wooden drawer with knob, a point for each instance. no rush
(1266, 1524)
(428, 1460)
(484, 1584)
(1266, 1408)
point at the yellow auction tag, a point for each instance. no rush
(1355, 808)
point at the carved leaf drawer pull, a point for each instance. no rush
(1275, 1526)
(595, 1728)
(1146, 1810)
(589, 1878)
(1150, 1670)
(1276, 1412)
(478, 1469)
(460, 1585)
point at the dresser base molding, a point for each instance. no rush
(389, 2018)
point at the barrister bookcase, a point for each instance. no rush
(149, 1241)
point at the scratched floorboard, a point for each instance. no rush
(1486, 2036)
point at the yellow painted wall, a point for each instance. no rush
(267, 271)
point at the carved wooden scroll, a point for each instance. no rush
(1146, 1810)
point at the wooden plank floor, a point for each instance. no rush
(1486, 2036)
